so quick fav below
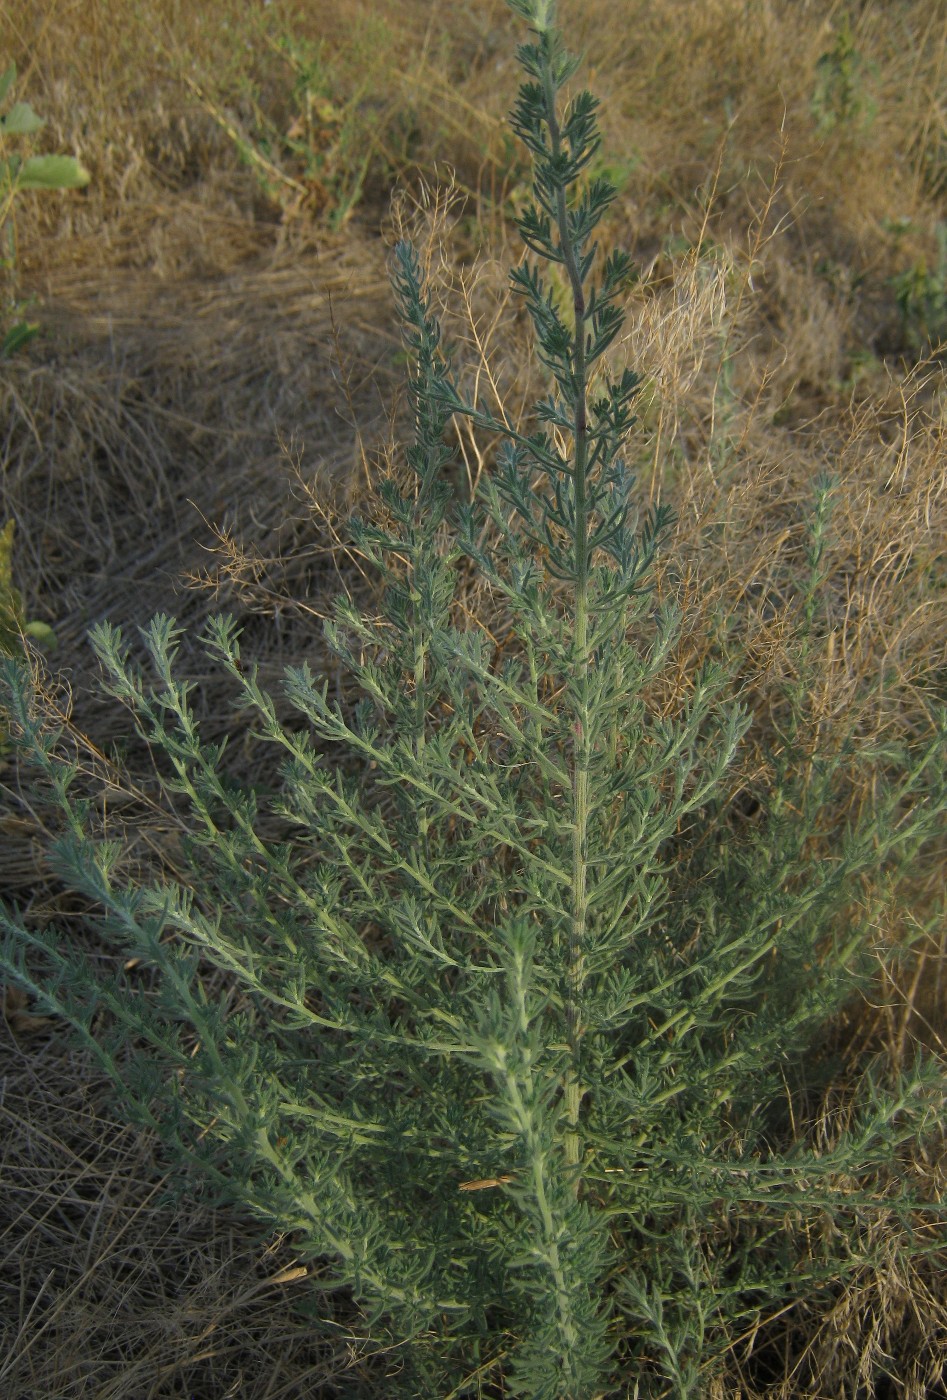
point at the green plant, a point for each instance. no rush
(522, 1057)
(842, 97)
(331, 142)
(19, 173)
(922, 298)
(316, 154)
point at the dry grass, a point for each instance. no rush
(217, 385)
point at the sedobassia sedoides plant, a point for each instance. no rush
(524, 1011)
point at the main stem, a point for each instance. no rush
(574, 1091)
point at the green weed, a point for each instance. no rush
(529, 1054)
(921, 293)
(842, 96)
(19, 173)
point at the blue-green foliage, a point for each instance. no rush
(525, 1013)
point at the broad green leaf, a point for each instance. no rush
(41, 632)
(16, 337)
(51, 173)
(21, 120)
(7, 81)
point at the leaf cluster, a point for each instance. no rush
(19, 173)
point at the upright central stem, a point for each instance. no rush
(580, 675)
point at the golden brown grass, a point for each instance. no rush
(217, 385)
